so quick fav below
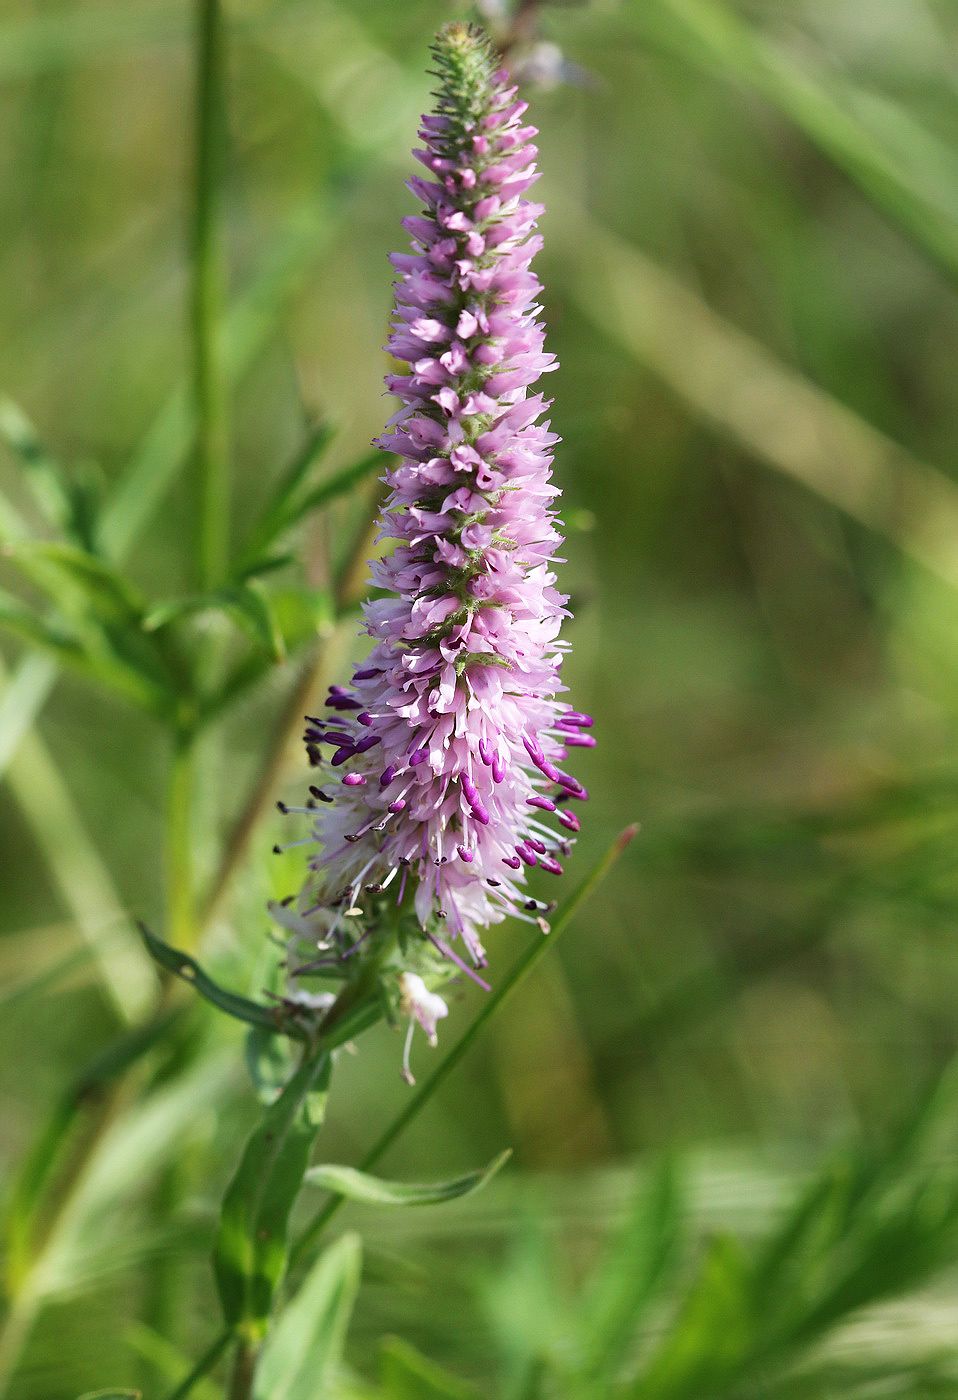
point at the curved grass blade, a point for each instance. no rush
(373, 1191)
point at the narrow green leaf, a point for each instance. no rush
(254, 1013)
(250, 1255)
(626, 1281)
(305, 1347)
(405, 1374)
(823, 106)
(96, 584)
(711, 1337)
(274, 515)
(247, 602)
(372, 1191)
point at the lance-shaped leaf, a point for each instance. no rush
(251, 1248)
(373, 1191)
(300, 1358)
(254, 1013)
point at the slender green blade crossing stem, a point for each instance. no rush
(519, 971)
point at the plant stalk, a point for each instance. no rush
(207, 301)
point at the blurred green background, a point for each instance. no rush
(749, 271)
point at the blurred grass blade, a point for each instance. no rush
(372, 1191)
(135, 1147)
(627, 1280)
(737, 385)
(710, 34)
(250, 322)
(711, 1336)
(82, 879)
(520, 969)
(405, 1374)
(112, 1395)
(304, 1349)
(250, 1254)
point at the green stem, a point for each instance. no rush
(244, 1369)
(520, 970)
(205, 1364)
(181, 913)
(209, 376)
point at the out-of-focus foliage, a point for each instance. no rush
(750, 265)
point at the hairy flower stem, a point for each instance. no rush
(207, 294)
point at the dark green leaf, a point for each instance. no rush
(266, 1018)
(251, 1250)
(372, 1191)
(305, 1347)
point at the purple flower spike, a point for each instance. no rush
(461, 689)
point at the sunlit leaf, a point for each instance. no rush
(305, 1347)
(372, 1191)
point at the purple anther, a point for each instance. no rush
(365, 719)
(387, 775)
(546, 803)
(525, 852)
(513, 862)
(470, 789)
(398, 805)
(353, 780)
(533, 748)
(569, 820)
(536, 844)
(341, 755)
(551, 865)
(485, 753)
(498, 772)
(418, 757)
(579, 741)
(576, 719)
(547, 768)
(465, 855)
(368, 742)
(366, 675)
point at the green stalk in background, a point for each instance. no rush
(207, 297)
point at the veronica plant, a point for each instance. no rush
(439, 770)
